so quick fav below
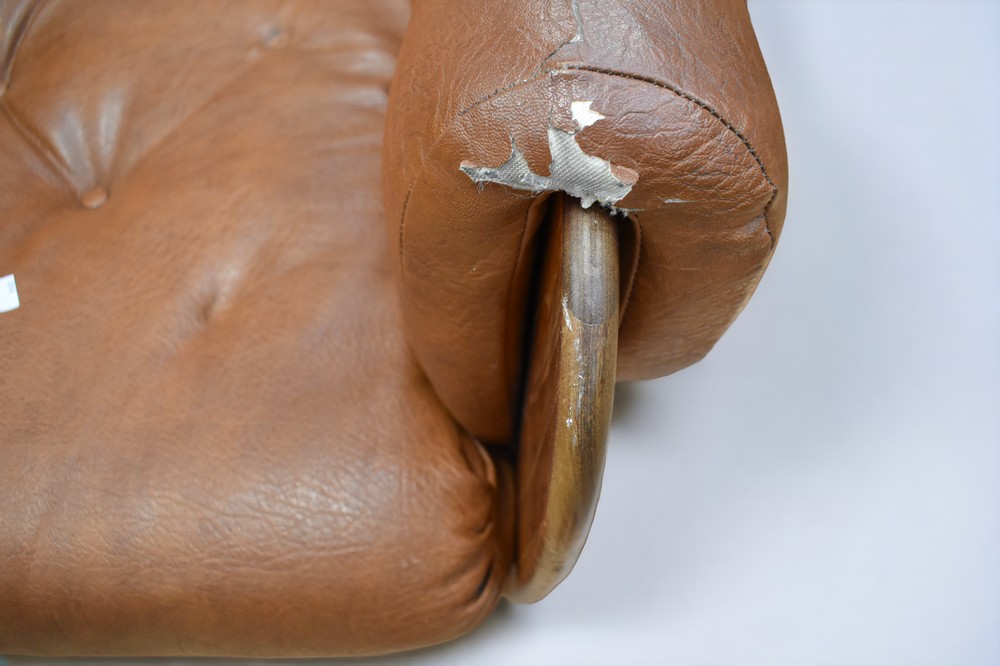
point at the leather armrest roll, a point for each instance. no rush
(661, 111)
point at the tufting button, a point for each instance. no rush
(94, 197)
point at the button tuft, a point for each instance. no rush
(94, 198)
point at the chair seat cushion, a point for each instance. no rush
(214, 439)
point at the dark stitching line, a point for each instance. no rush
(609, 72)
(686, 95)
(704, 105)
(537, 74)
(575, 38)
(399, 249)
(633, 271)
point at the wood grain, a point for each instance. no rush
(568, 398)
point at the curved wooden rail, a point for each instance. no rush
(568, 399)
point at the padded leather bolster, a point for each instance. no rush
(689, 127)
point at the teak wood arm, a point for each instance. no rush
(568, 398)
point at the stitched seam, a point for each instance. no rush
(444, 131)
(704, 105)
(543, 72)
(633, 272)
(609, 72)
(536, 75)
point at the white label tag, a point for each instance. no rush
(8, 294)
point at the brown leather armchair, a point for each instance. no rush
(293, 349)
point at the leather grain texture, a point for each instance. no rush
(242, 400)
(687, 107)
(214, 439)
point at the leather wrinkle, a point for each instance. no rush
(21, 29)
(211, 99)
(179, 125)
(574, 8)
(521, 377)
(537, 74)
(36, 141)
(441, 135)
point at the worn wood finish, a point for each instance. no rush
(568, 399)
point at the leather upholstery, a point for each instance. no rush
(235, 413)
(688, 106)
(214, 439)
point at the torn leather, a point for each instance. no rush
(587, 177)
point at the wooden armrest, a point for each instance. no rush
(568, 398)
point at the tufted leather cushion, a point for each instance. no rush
(213, 437)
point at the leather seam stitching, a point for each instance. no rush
(608, 72)
(703, 105)
(633, 273)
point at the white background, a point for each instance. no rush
(824, 489)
